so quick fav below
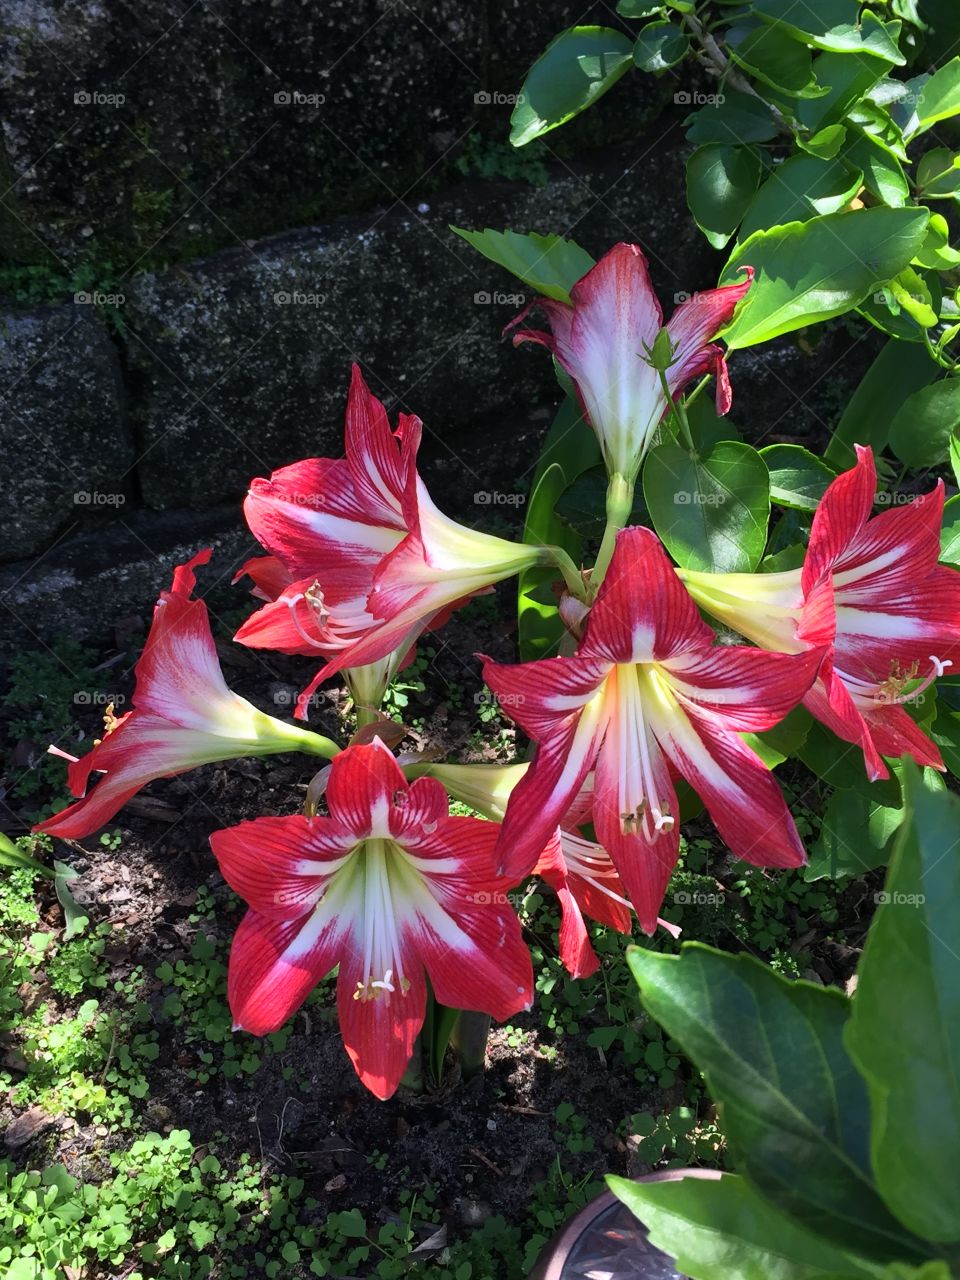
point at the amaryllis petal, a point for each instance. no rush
(275, 964)
(538, 695)
(895, 734)
(642, 838)
(840, 515)
(692, 326)
(741, 794)
(476, 959)
(269, 575)
(642, 612)
(831, 702)
(747, 690)
(379, 1035)
(280, 866)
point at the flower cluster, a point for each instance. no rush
(385, 886)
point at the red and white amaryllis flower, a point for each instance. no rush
(872, 590)
(390, 888)
(648, 695)
(602, 340)
(183, 716)
(366, 560)
(580, 871)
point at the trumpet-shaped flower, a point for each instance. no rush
(183, 716)
(369, 561)
(390, 888)
(602, 339)
(648, 695)
(872, 590)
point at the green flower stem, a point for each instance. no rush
(678, 412)
(313, 744)
(572, 576)
(619, 506)
(470, 1040)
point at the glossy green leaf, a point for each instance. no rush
(638, 9)
(720, 1229)
(897, 373)
(833, 25)
(850, 77)
(578, 67)
(854, 837)
(548, 264)
(922, 428)
(904, 1033)
(808, 272)
(935, 252)
(707, 427)
(877, 123)
(950, 538)
(883, 174)
(840, 764)
(739, 118)
(721, 183)
(801, 188)
(795, 1111)
(935, 98)
(570, 450)
(938, 174)
(711, 509)
(660, 46)
(770, 54)
(798, 478)
(826, 143)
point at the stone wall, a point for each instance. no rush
(212, 210)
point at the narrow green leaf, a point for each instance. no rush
(923, 426)
(578, 67)
(808, 272)
(905, 1030)
(898, 371)
(721, 183)
(795, 1111)
(723, 1230)
(548, 264)
(12, 856)
(711, 510)
(74, 915)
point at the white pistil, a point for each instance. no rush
(381, 941)
(650, 805)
